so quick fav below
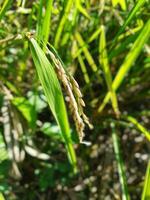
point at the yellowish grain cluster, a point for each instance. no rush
(74, 97)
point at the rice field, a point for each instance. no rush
(75, 100)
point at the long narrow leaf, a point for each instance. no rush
(81, 9)
(146, 189)
(138, 126)
(4, 8)
(129, 60)
(103, 59)
(86, 52)
(131, 16)
(62, 22)
(1, 196)
(47, 22)
(39, 21)
(54, 95)
(121, 168)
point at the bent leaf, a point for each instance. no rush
(53, 94)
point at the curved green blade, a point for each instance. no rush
(54, 95)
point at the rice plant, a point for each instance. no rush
(74, 99)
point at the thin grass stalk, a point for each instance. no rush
(141, 128)
(103, 59)
(62, 23)
(120, 163)
(39, 21)
(146, 189)
(87, 54)
(129, 60)
(47, 22)
(81, 9)
(94, 35)
(83, 68)
(4, 8)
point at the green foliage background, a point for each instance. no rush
(105, 46)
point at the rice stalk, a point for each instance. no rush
(74, 97)
(54, 95)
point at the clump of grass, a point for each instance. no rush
(128, 62)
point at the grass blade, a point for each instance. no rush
(81, 9)
(94, 35)
(4, 8)
(103, 59)
(146, 189)
(86, 52)
(83, 68)
(129, 60)
(139, 126)
(120, 163)
(47, 22)
(121, 2)
(131, 16)
(39, 21)
(54, 95)
(1, 196)
(62, 22)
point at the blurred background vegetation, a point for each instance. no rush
(104, 45)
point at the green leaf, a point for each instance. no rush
(129, 60)
(146, 189)
(131, 16)
(81, 9)
(103, 59)
(4, 8)
(86, 51)
(53, 94)
(26, 108)
(138, 126)
(1, 196)
(47, 22)
(120, 163)
(62, 22)
(51, 130)
(121, 2)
